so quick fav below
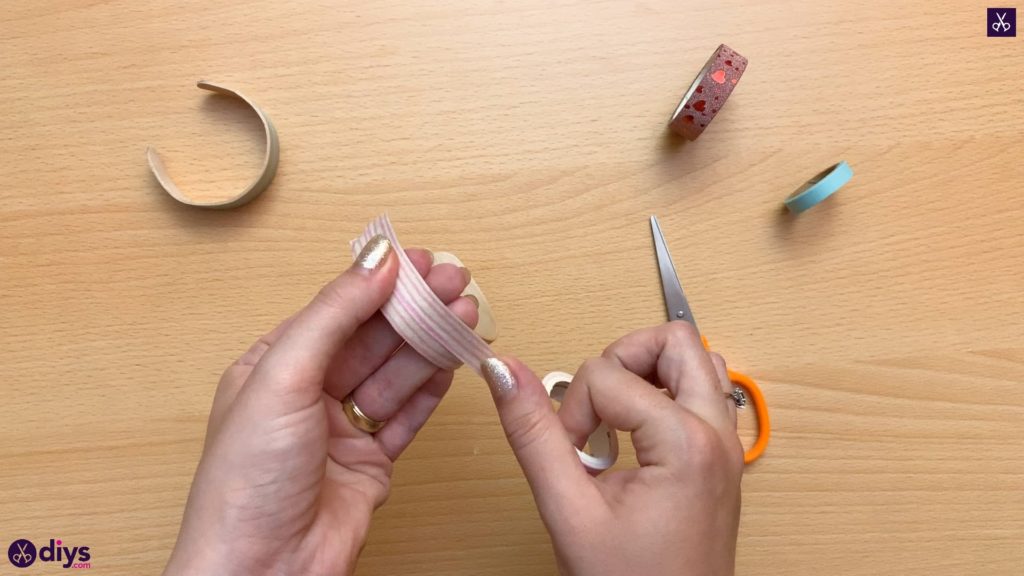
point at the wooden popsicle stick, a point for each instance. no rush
(486, 327)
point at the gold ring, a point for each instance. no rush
(358, 419)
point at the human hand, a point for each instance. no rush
(286, 484)
(678, 513)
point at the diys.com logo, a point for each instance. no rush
(23, 553)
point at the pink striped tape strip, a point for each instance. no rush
(419, 316)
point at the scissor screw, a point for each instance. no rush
(680, 314)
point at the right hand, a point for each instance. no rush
(678, 513)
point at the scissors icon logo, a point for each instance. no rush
(1002, 21)
(1001, 25)
(21, 553)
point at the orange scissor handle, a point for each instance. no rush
(764, 427)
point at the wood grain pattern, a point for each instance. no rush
(528, 137)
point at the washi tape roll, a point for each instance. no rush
(603, 442)
(823, 185)
(708, 93)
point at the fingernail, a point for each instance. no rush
(431, 254)
(374, 253)
(466, 274)
(476, 301)
(498, 376)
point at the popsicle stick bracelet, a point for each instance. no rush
(266, 175)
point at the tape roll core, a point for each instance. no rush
(603, 442)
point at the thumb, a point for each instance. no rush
(293, 368)
(538, 439)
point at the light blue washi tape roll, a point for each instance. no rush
(818, 188)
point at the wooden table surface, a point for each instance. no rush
(886, 327)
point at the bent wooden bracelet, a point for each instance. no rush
(270, 158)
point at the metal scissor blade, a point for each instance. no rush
(675, 300)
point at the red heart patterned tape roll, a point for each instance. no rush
(708, 93)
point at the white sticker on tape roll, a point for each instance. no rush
(603, 442)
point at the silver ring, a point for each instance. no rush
(738, 396)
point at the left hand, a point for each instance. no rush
(286, 484)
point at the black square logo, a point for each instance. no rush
(1002, 22)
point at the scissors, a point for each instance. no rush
(679, 309)
(21, 558)
(1005, 26)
